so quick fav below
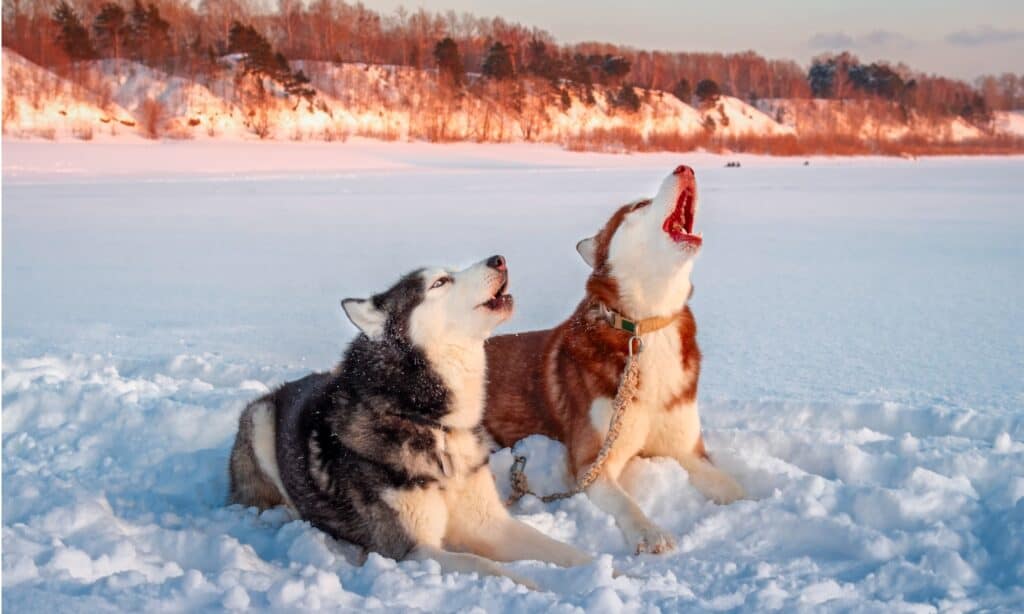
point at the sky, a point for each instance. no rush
(957, 38)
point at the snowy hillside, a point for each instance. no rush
(38, 103)
(734, 117)
(864, 120)
(1010, 122)
(120, 98)
(862, 374)
(186, 109)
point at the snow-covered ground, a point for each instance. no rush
(863, 376)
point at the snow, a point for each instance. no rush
(1010, 122)
(733, 117)
(866, 119)
(40, 104)
(133, 84)
(960, 130)
(859, 318)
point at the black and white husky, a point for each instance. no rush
(387, 450)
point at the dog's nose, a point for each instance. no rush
(682, 169)
(497, 263)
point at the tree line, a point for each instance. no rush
(187, 38)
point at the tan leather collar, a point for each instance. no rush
(636, 327)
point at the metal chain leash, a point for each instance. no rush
(625, 395)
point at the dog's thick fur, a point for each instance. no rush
(561, 382)
(387, 450)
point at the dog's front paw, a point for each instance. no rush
(653, 540)
(725, 490)
(715, 484)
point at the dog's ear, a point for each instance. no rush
(588, 249)
(365, 316)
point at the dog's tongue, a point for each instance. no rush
(679, 224)
(686, 199)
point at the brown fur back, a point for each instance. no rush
(544, 382)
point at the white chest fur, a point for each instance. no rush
(462, 367)
(650, 424)
(463, 452)
(661, 369)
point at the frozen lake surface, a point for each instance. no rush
(861, 322)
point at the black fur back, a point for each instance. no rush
(374, 424)
(395, 371)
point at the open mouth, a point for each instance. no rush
(679, 223)
(501, 300)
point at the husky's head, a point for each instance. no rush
(436, 306)
(643, 257)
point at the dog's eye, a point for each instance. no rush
(440, 282)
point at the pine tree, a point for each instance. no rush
(627, 99)
(72, 36)
(614, 68)
(135, 31)
(159, 31)
(108, 29)
(539, 62)
(683, 91)
(821, 77)
(708, 91)
(565, 99)
(259, 54)
(449, 62)
(147, 35)
(498, 63)
(298, 84)
(261, 60)
(579, 72)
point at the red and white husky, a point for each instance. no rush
(561, 382)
